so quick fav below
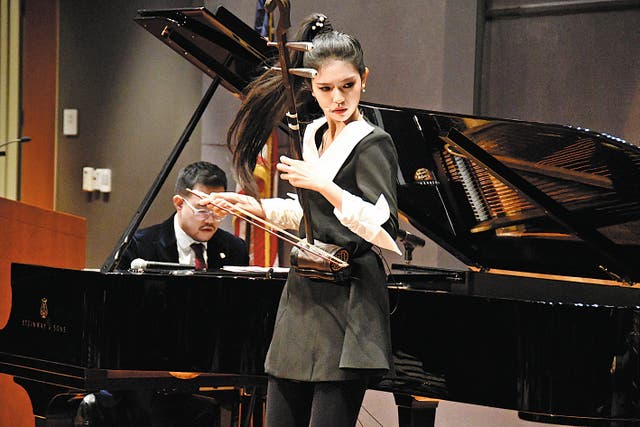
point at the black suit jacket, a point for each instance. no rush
(158, 243)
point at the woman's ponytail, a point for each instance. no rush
(264, 106)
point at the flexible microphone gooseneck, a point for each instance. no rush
(20, 140)
(410, 239)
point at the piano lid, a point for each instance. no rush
(496, 193)
(206, 40)
(517, 195)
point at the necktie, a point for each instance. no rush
(198, 248)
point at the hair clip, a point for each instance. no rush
(319, 23)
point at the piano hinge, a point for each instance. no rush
(166, 31)
(616, 276)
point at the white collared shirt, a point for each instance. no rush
(186, 255)
(363, 218)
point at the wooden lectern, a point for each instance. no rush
(31, 235)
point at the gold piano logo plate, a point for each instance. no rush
(44, 309)
(44, 323)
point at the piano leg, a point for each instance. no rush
(415, 412)
(240, 407)
(253, 404)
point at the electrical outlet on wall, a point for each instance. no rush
(103, 180)
(88, 178)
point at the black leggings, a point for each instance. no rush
(314, 404)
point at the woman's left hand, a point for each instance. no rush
(301, 174)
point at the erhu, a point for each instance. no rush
(309, 257)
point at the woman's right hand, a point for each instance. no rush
(231, 203)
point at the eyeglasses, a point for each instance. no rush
(202, 214)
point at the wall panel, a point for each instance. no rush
(578, 67)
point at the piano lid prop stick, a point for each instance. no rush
(274, 230)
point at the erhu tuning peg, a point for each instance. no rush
(308, 73)
(301, 46)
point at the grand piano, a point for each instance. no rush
(545, 320)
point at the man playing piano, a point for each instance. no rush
(173, 240)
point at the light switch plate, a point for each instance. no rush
(70, 122)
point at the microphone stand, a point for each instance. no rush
(21, 139)
(410, 242)
(408, 252)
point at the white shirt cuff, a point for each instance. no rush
(285, 213)
(366, 220)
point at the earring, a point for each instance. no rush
(364, 88)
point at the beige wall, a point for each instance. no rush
(9, 96)
(134, 97)
(580, 68)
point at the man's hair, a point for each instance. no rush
(203, 173)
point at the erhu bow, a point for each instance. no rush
(335, 258)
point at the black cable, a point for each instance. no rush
(389, 274)
(371, 415)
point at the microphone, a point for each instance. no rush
(410, 242)
(141, 264)
(410, 239)
(21, 139)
